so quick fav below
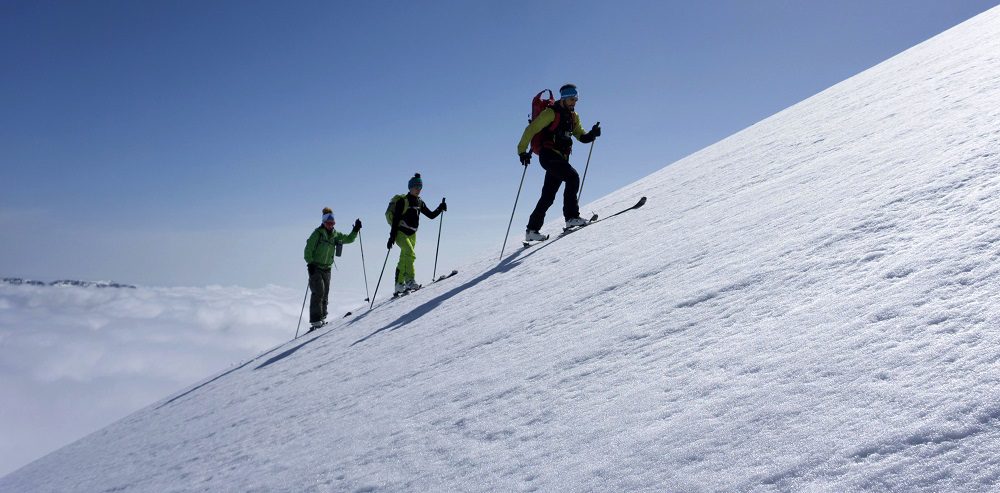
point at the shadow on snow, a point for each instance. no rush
(278, 357)
(227, 372)
(508, 263)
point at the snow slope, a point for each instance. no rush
(811, 304)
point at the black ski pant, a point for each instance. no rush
(557, 170)
(319, 284)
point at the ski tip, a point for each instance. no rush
(641, 202)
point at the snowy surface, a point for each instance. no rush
(810, 304)
(75, 359)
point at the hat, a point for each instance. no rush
(328, 214)
(567, 91)
(415, 182)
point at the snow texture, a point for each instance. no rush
(809, 304)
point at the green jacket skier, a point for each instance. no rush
(321, 247)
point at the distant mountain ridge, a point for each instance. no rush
(17, 281)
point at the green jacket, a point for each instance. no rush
(321, 246)
(544, 119)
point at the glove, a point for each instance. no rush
(357, 225)
(311, 268)
(388, 245)
(525, 158)
(443, 207)
(595, 131)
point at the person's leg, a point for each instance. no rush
(316, 299)
(549, 190)
(325, 275)
(559, 166)
(407, 257)
(571, 208)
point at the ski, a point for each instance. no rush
(320, 326)
(445, 276)
(527, 243)
(408, 291)
(640, 203)
(565, 232)
(396, 296)
(593, 219)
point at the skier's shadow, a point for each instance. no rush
(508, 263)
(286, 353)
(231, 370)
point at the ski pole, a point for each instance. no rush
(580, 193)
(512, 212)
(364, 270)
(436, 250)
(297, 326)
(380, 278)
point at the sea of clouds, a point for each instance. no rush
(75, 359)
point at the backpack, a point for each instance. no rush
(537, 106)
(392, 206)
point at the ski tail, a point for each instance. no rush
(640, 203)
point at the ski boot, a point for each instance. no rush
(534, 235)
(400, 289)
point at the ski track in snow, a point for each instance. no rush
(810, 304)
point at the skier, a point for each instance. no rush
(323, 244)
(557, 125)
(403, 215)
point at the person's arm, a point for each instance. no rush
(429, 213)
(346, 238)
(587, 137)
(577, 128)
(311, 246)
(544, 119)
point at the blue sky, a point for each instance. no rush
(195, 143)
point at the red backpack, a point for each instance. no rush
(537, 106)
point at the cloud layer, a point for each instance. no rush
(73, 360)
